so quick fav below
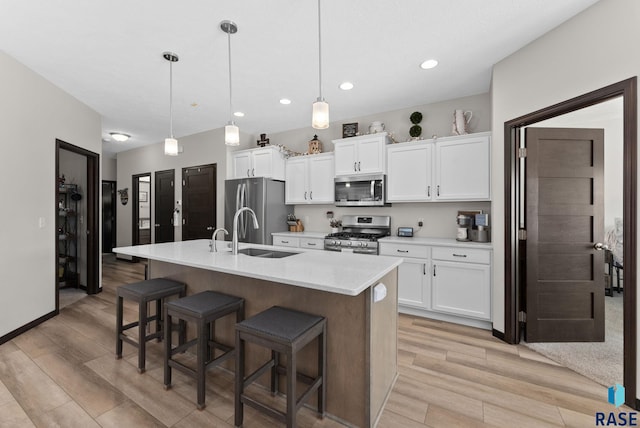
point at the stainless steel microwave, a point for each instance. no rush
(360, 191)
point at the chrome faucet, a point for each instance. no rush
(212, 244)
(234, 239)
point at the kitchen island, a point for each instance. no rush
(361, 332)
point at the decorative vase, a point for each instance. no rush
(461, 121)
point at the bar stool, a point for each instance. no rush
(157, 289)
(203, 309)
(283, 331)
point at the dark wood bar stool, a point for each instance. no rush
(203, 309)
(283, 331)
(143, 292)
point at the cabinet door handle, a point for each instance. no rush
(248, 173)
(305, 196)
(434, 270)
(284, 242)
(429, 191)
(311, 244)
(253, 172)
(358, 166)
(438, 190)
(311, 194)
(355, 166)
(459, 255)
(424, 268)
(402, 251)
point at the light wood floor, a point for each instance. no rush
(63, 373)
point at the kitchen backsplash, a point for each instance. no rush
(439, 218)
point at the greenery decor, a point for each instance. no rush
(416, 130)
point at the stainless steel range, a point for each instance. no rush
(360, 234)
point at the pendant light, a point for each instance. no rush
(170, 144)
(320, 117)
(231, 131)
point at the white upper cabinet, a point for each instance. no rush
(364, 154)
(261, 162)
(447, 169)
(309, 179)
(462, 168)
(409, 172)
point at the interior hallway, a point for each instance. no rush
(63, 373)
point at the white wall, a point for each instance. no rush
(109, 166)
(198, 149)
(34, 113)
(590, 51)
(439, 218)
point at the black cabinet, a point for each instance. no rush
(68, 236)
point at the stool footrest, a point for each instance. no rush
(259, 372)
(280, 416)
(282, 370)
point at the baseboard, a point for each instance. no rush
(17, 332)
(498, 334)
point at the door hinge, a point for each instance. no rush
(522, 316)
(522, 234)
(522, 152)
(184, 183)
(171, 183)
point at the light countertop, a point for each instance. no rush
(437, 242)
(334, 272)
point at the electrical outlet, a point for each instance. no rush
(420, 222)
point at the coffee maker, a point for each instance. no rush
(465, 226)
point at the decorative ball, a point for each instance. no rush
(416, 117)
(415, 131)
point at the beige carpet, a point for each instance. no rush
(600, 361)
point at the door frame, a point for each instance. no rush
(115, 219)
(93, 216)
(135, 205)
(628, 90)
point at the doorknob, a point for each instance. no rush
(599, 246)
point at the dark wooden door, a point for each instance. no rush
(164, 206)
(564, 221)
(199, 202)
(108, 215)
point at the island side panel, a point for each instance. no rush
(383, 363)
(347, 325)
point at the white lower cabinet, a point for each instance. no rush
(461, 282)
(298, 240)
(447, 283)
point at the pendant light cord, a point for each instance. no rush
(230, 88)
(171, 98)
(319, 53)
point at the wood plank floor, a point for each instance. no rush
(63, 374)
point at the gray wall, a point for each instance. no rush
(198, 149)
(34, 113)
(590, 51)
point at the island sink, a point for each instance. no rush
(257, 252)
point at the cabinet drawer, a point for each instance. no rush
(404, 250)
(469, 255)
(313, 243)
(286, 241)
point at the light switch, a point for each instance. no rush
(41, 222)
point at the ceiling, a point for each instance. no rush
(108, 54)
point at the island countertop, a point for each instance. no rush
(342, 273)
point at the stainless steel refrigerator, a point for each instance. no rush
(266, 198)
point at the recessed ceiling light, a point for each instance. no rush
(238, 114)
(285, 101)
(118, 136)
(346, 86)
(430, 63)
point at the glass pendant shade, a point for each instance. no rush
(171, 147)
(320, 118)
(231, 134)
